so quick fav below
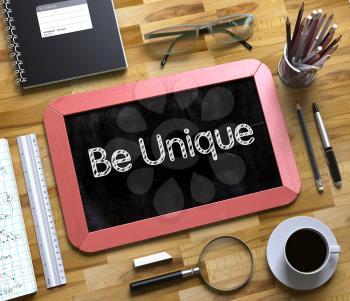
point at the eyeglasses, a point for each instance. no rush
(182, 38)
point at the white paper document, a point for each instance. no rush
(16, 269)
(63, 17)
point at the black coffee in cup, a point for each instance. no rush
(306, 250)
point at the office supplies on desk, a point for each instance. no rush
(45, 230)
(173, 148)
(225, 264)
(291, 269)
(310, 150)
(308, 49)
(328, 149)
(16, 269)
(53, 41)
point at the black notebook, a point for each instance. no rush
(53, 41)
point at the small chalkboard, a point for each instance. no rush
(165, 148)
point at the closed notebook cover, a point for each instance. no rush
(66, 39)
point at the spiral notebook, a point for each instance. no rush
(16, 269)
(55, 41)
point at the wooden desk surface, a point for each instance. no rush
(105, 276)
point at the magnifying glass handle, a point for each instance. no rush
(134, 286)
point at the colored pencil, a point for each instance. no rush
(310, 36)
(311, 55)
(321, 61)
(330, 51)
(297, 23)
(296, 43)
(327, 38)
(301, 45)
(314, 59)
(318, 28)
(313, 40)
(304, 67)
(324, 30)
(289, 42)
(331, 45)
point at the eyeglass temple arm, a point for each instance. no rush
(185, 32)
(165, 34)
(240, 40)
(171, 46)
(151, 35)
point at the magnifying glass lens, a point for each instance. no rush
(226, 263)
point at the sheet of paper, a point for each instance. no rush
(63, 17)
(16, 269)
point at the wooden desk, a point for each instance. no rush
(105, 276)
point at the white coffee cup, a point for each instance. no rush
(304, 240)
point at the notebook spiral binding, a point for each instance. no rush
(14, 46)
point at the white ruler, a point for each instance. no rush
(50, 252)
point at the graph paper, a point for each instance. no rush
(16, 269)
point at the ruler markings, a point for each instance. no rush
(45, 230)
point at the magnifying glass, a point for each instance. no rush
(225, 265)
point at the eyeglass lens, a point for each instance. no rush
(233, 29)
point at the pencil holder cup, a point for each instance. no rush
(294, 77)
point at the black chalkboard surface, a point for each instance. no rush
(192, 174)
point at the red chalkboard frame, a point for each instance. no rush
(67, 182)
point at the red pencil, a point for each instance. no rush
(301, 47)
(310, 36)
(328, 37)
(296, 43)
(323, 31)
(331, 45)
(321, 61)
(314, 59)
(297, 23)
(318, 30)
(330, 51)
(289, 47)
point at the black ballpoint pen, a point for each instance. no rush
(332, 162)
